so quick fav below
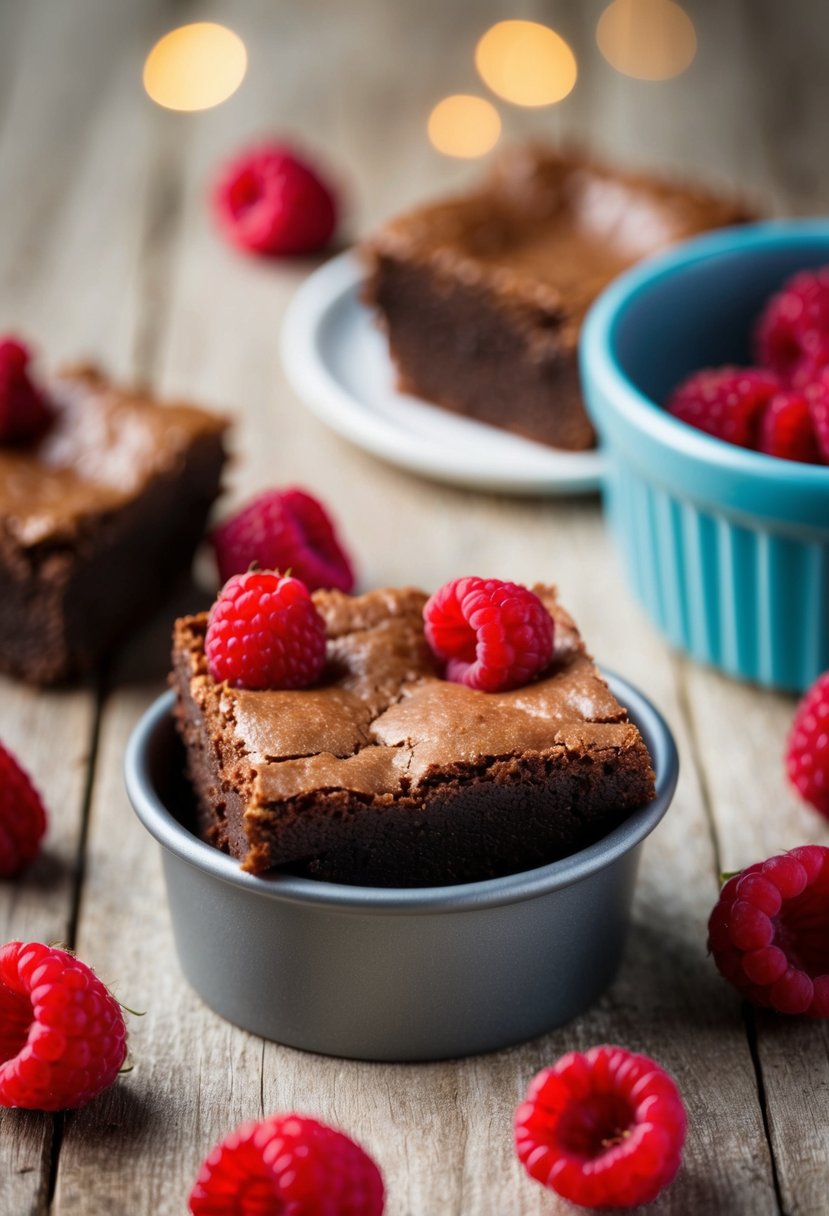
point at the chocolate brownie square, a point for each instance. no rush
(386, 774)
(97, 520)
(482, 297)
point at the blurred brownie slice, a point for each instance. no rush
(482, 297)
(98, 518)
(387, 774)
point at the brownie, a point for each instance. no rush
(386, 774)
(482, 297)
(97, 520)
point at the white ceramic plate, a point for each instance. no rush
(337, 362)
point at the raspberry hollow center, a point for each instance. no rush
(16, 1017)
(591, 1127)
(258, 1194)
(801, 930)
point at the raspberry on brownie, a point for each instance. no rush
(385, 773)
(99, 513)
(24, 411)
(264, 632)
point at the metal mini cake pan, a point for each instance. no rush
(394, 974)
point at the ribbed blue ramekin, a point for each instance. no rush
(728, 549)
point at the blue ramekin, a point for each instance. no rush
(728, 549)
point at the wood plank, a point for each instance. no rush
(192, 1072)
(62, 286)
(740, 734)
(740, 731)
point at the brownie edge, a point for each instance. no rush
(98, 521)
(482, 296)
(387, 775)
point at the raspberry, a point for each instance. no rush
(284, 530)
(290, 1165)
(62, 1034)
(22, 817)
(494, 635)
(726, 402)
(807, 752)
(603, 1128)
(792, 334)
(787, 429)
(268, 200)
(769, 932)
(817, 396)
(264, 632)
(23, 409)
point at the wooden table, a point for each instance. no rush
(106, 249)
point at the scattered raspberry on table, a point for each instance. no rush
(291, 1165)
(604, 1128)
(22, 817)
(24, 412)
(769, 932)
(264, 632)
(807, 752)
(284, 530)
(269, 200)
(493, 635)
(63, 1038)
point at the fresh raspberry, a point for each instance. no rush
(62, 1034)
(493, 635)
(726, 402)
(769, 932)
(287, 1165)
(602, 1129)
(22, 817)
(807, 753)
(269, 200)
(284, 530)
(24, 412)
(264, 632)
(787, 429)
(792, 334)
(817, 396)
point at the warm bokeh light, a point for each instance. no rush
(648, 39)
(463, 125)
(526, 63)
(195, 67)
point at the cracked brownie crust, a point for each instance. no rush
(387, 774)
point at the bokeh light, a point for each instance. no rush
(647, 39)
(463, 125)
(195, 67)
(526, 63)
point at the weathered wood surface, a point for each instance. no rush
(106, 249)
